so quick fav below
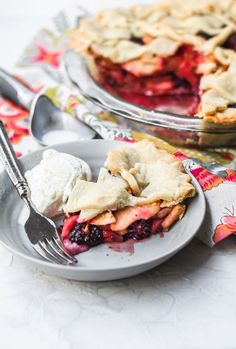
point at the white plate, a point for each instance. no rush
(99, 263)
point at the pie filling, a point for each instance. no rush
(170, 83)
(79, 236)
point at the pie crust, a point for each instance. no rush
(142, 39)
(158, 174)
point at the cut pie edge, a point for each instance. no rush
(208, 26)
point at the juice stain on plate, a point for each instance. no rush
(127, 246)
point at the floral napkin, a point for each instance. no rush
(41, 66)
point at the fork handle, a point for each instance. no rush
(11, 164)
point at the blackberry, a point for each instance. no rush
(231, 42)
(95, 235)
(77, 232)
(91, 238)
(139, 230)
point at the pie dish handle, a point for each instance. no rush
(11, 164)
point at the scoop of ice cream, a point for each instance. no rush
(52, 181)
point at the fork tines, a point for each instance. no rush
(53, 251)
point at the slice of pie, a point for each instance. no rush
(177, 55)
(140, 192)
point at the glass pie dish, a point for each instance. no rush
(173, 62)
(176, 129)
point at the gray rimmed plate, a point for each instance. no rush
(100, 263)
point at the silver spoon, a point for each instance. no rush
(48, 124)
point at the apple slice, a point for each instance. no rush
(104, 218)
(128, 215)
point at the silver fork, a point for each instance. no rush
(41, 231)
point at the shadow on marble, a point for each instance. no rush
(185, 264)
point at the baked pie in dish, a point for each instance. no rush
(140, 191)
(176, 55)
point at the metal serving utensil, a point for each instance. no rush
(40, 230)
(45, 117)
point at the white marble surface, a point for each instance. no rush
(189, 302)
